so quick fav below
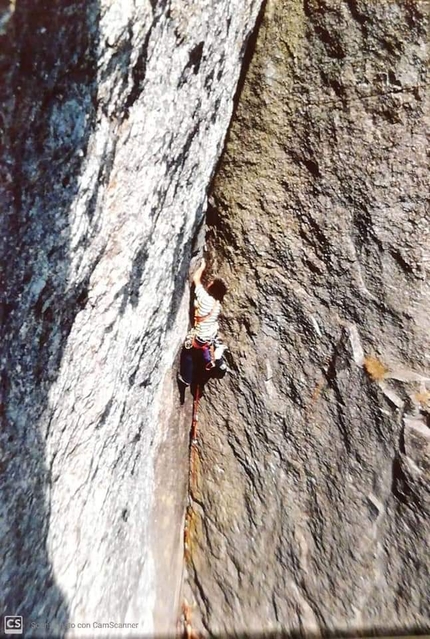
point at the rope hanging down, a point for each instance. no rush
(194, 424)
(188, 631)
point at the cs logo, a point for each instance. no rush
(13, 625)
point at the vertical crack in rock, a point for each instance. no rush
(313, 454)
(112, 117)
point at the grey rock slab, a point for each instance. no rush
(113, 116)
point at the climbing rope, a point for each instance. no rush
(188, 631)
(192, 485)
(194, 424)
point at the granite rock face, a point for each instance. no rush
(312, 494)
(113, 115)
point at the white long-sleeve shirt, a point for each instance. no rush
(205, 304)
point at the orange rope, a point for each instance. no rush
(188, 631)
(195, 421)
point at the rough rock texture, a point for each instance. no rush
(113, 115)
(312, 503)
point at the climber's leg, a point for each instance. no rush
(186, 370)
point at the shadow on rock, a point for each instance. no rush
(49, 70)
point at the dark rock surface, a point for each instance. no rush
(311, 509)
(112, 116)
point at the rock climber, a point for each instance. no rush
(207, 307)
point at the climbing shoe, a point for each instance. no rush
(182, 380)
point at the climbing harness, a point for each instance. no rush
(192, 341)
